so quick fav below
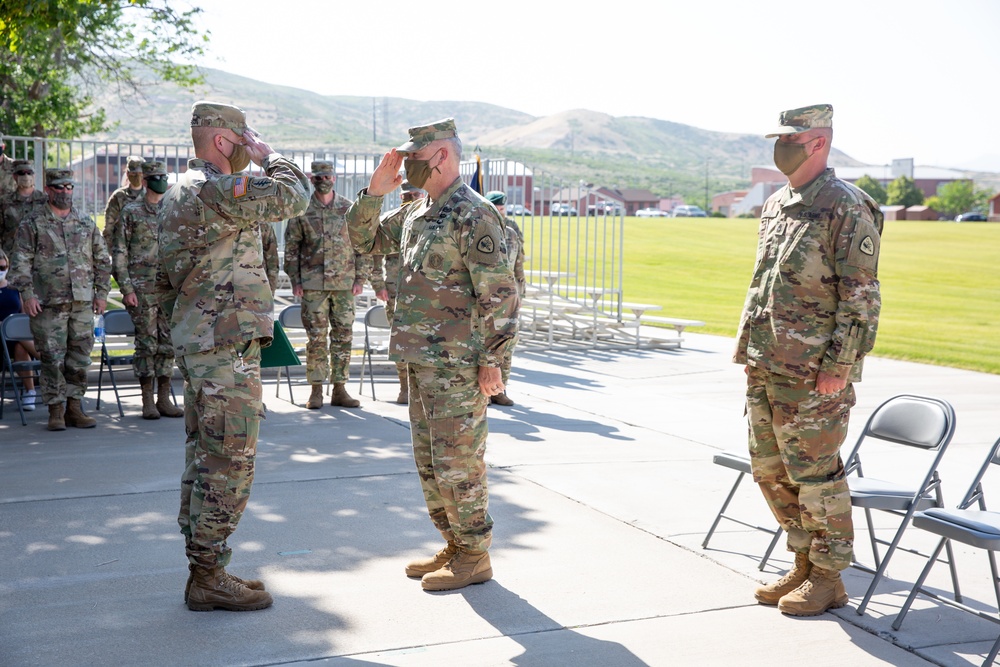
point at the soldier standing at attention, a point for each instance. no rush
(386, 285)
(15, 206)
(62, 269)
(7, 183)
(215, 294)
(811, 315)
(135, 257)
(126, 194)
(269, 244)
(327, 274)
(456, 316)
(515, 257)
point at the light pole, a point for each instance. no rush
(706, 184)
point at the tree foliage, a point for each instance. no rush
(54, 54)
(959, 197)
(904, 192)
(873, 188)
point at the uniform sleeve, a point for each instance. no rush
(293, 250)
(377, 279)
(363, 267)
(857, 244)
(119, 254)
(23, 261)
(370, 233)
(102, 265)
(112, 216)
(522, 283)
(269, 241)
(483, 245)
(243, 200)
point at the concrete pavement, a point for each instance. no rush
(602, 488)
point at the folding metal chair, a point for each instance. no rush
(16, 327)
(920, 422)
(375, 319)
(290, 317)
(740, 462)
(117, 325)
(972, 524)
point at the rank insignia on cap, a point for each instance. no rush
(867, 246)
(486, 245)
(240, 186)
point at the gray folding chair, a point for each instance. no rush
(118, 326)
(740, 462)
(290, 317)
(919, 422)
(375, 320)
(972, 524)
(16, 327)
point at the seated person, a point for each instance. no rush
(10, 303)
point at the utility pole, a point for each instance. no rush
(706, 185)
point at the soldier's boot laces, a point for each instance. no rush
(501, 399)
(164, 404)
(213, 588)
(342, 398)
(252, 584)
(149, 410)
(315, 401)
(57, 417)
(75, 415)
(404, 390)
(422, 566)
(465, 567)
(772, 593)
(824, 589)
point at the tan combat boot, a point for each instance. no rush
(342, 398)
(164, 405)
(212, 588)
(315, 401)
(252, 584)
(149, 410)
(75, 415)
(501, 399)
(771, 593)
(824, 589)
(422, 566)
(57, 417)
(465, 567)
(404, 389)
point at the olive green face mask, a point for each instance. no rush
(418, 171)
(323, 186)
(239, 158)
(789, 157)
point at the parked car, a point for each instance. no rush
(604, 208)
(518, 209)
(970, 217)
(564, 209)
(651, 213)
(689, 211)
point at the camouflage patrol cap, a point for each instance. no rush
(321, 168)
(135, 164)
(58, 176)
(422, 135)
(496, 197)
(216, 114)
(794, 121)
(154, 168)
(23, 165)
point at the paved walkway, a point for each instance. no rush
(602, 488)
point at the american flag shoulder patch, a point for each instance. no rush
(240, 186)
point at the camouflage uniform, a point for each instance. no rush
(215, 294)
(14, 208)
(515, 259)
(118, 200)
(135, 257)
(7, 182)
(812, 306)
(64, 263)
(269, 243)
(319, 258)
(456, 310)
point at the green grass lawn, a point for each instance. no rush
(940, 283)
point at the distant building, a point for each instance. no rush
(724, 201)
(993, 214)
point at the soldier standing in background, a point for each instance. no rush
(215, 294)
(135, 257)
(456, 316)
(126, 194)
(269, 245)
(811, 315)
(327, 274)
(386, 285)
(16, 205)
(515, 257)
(7, 184)
(62, 269)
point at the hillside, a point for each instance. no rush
(627, 152)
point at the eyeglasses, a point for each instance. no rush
(3, 268)
(159, 177)
(24, 173)
(323, 177)
(62, 186)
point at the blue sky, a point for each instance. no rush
(906, 78)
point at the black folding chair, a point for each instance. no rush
(16, 327)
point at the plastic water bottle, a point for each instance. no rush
(98, 328)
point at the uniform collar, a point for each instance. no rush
(205, 166)
(806, 195)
